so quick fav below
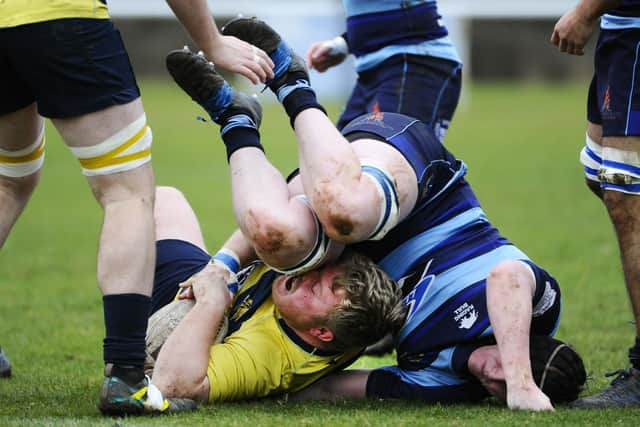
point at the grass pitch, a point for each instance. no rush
(521, 144)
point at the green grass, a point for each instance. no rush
(521, 144)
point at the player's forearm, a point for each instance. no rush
(181, 368)
(239, 244)
(593, 9)
(196, 17)
(351, 384)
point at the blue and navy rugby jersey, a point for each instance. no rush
(447, 215)
(379, 29)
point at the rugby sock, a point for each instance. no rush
(296, 94)
(634, 354)
(125, 319)
(239, 131)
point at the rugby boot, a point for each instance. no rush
(5, 366)
(290, 71)
(200, 80)
(117, 398)
(624, 391)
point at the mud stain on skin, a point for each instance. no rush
(338, 220)
(266, 239)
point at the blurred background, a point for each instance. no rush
(497, 39)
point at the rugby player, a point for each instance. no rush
(284, 332)
(388, 188)
(405, 60)
(610, 155)
(65, 60)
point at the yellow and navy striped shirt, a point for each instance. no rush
(261, 356)
(21, 12)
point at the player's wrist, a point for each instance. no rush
(228, 260)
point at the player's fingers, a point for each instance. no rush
(257, 69)
(261, 57)
(310, 57)
(563, 45)
(555, 38)
(249, 73)
(322, 66)
(185, 293)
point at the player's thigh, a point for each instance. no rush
(20, 128)
(92, 128)
(175, 218)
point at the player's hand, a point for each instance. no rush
(572, 32)
(323, 55)
(529, 398)
(233, 54)
(208, 286)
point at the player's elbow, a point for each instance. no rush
(174, 384)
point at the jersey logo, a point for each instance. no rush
(465, 315)
(419, 292)
(606, 102)
(242, 309)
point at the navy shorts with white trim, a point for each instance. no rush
(614, 94)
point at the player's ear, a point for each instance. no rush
(322, 334)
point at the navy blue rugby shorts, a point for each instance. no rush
(614, 94)
(70, 67)
(176, 261)
(423, 87)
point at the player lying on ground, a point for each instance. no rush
(387, 187)
(284, 332)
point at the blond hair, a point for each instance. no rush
(371, 309)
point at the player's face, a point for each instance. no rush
(484, 363)
(302, 299)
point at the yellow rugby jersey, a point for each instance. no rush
(21, 12)
(261, 356)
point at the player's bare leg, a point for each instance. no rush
(622, 207)
(127, 199)
(510, 290)
(18, 131)
(113, 146)
(21, 158)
